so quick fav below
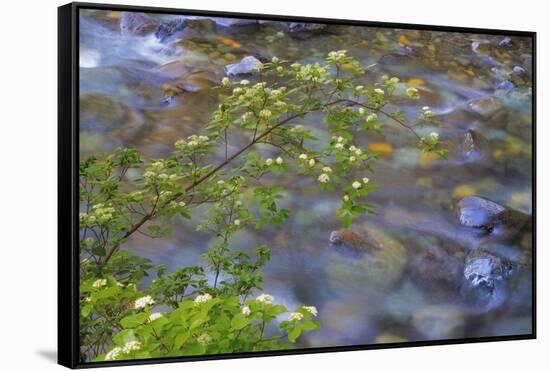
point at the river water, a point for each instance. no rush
(472, 82)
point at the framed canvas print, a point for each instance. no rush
(237, 185)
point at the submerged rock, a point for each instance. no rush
(303, 29)
(483, 269)
(476, 211)
(235, 22)
(485, 107)
(473, 146)
(246, 66)
(132, 23)
(367, 258)
(168, 29)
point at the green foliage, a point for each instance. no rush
(122, 194)
(208, 325)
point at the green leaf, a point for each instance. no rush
(134, 320)
(294, 334)
(239, 321)
(124, 337)
(194, 349)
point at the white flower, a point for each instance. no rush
(303, 156)
(279, 160)
(358, 152)
(204, 339)
(434, 135)
(113, 354)
(352, 158)
(372, 117)
(143, 302)
(269, 162)
(323, 178)
(425, 108)
(102, 282)
(131, 346)
(274, 60)
(366, 180)
(279, 69)
(155, 316)
(311, 162)
(353, 148)
(295, 316)
(327, 169)
(238, 203)
(221, 182)
(298, 128)
(379, 91)
(265, 298)
(412, 93)
(237, 91)
(340, 139)
(203, 138)
(237, 222)
(180, 144)
(356, 185)
(312, 310)
(246, 311)
(265, 113)
(182, 204)
(192, 143)
(225, 82)
(202, 298)
(346, 198)
(394, 80)
(338, 146)
(244, 82)
(358, 88)
(362, 110)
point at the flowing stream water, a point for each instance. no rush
(472, 82)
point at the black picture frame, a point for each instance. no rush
(68, 208)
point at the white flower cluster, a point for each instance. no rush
(226, 82)
(295, 316)
(143, 302)
(128, 348)
(427, 113)
(324, 178)
(193, 141)
(310, 72)
(312, 310)
(339, 142)
(246, 311)
(102, 282)
(204, 339)
(265, 114)
(200, 299)
(100, 214)
(434, 135)
(265, 298)
(337, 57)
(390, 82)
(155, 316)
(278, 161)
(412, 93)
(379, 91)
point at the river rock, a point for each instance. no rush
(303, 27)
(485, 107)
(168, 29)
(473, 146)
(235, 22)
(132, 23)
(247, 65)
(483, 269)
(366, 258)
(476, 211)
(439, 322)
